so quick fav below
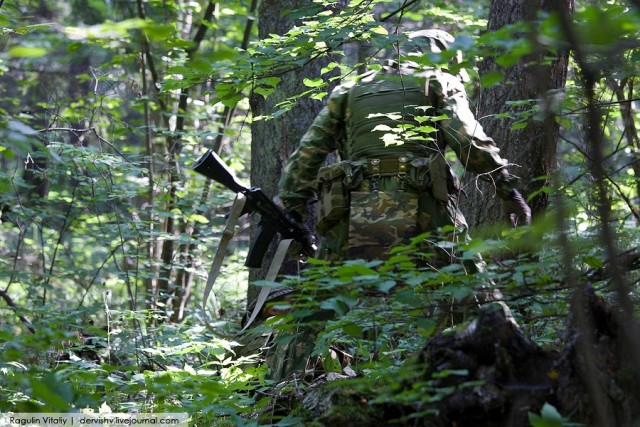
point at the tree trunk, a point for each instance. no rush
(273, 141)
(531, 150)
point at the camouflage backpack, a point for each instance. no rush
(377, 189)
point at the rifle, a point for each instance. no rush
(272, 218)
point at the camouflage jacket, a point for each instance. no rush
(359, 123)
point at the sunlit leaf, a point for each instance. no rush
(491, 78)
(313, 82)
(26, 52)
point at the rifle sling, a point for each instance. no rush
(227, 234)
(278, 258)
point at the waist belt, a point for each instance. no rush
(376, 168)
(392, 166)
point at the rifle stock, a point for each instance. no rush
(273, 219)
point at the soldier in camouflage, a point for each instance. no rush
(392, 181)
(390, 130)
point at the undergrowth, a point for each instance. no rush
(360, 322)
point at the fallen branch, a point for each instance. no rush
(24, 319)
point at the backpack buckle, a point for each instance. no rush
(402, 172)
(374, 168)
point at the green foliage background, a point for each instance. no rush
(107, 234)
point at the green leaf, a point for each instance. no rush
(319, 96)
(382, 128)
(391, 139)
(109, 30)
(28, 28)
(356, 269)
(159, 31)
(520, 124)
(264, 91)
(271, 81)
(386, 285)
(550, 412)
(426, 326)
(593, 261)
(331, 364)
(491, 78)
(313, 82)
(338, 304)
(329, 67)
(198, 218)
(405, 296)
(55, 394)
(352, 330)
(74, 47)
(549, 417)
(232, 101)
(26, 52)
(379, 30)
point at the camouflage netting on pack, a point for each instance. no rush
(379, 221)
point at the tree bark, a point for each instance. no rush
(531, 150)
(273, 141)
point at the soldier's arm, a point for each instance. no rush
(478, 152)
(298, 181)
(464, 134)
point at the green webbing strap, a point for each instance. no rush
(278, 258)
(227, 234)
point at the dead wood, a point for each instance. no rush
(513, 370)
(507, 377)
